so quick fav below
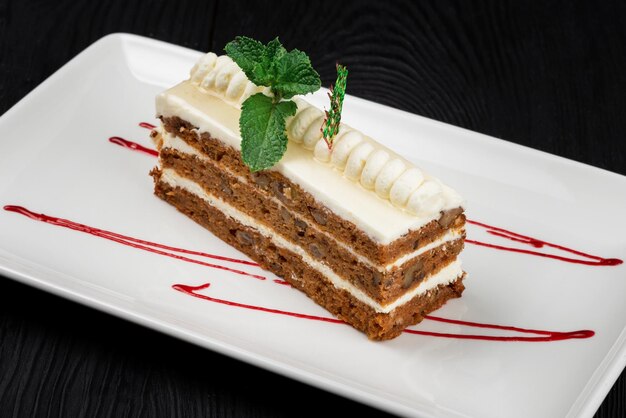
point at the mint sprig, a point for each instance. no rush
(262, 120)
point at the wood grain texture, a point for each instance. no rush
(550, 75)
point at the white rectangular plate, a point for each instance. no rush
(56, 159)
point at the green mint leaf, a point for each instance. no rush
(262, 126)
(295, 75)
(262, 75)
(273, 52)
(287, 73)
(247, 53)
(265, 71)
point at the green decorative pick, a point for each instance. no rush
(330, 127)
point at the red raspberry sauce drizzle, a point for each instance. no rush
(540, 335)
(132, 145)
(545, 335)
(588, 259)
(147, 125)
(168, 251)
(152, 247)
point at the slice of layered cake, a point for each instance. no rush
(359, 229)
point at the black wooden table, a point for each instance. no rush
(549, 75)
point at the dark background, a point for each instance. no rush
(549, 75)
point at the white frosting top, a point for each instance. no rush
(360, 180)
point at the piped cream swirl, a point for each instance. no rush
(368, 163)
(222, 77)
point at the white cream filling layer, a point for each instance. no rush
(176, 143)
(445, 276)
(449, 236)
